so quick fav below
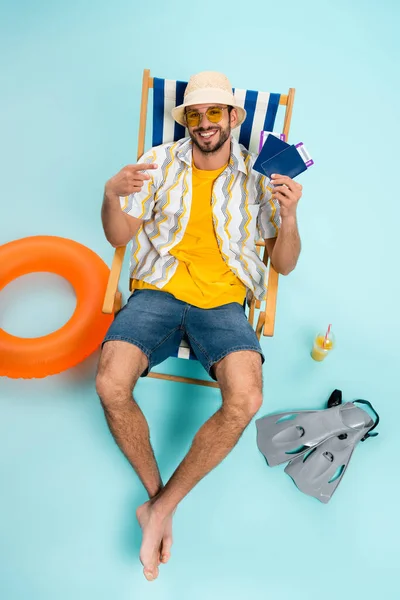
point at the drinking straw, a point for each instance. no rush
(326, 335)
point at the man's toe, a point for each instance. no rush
(150, 573)
(166, 549)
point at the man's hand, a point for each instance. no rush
(129, 180)
(288, 194)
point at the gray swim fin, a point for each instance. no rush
(319, 471)
(285, 436)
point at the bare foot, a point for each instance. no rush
(156, 541)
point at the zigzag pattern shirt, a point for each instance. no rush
(243, 211)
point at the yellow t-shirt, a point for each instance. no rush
(202, 277)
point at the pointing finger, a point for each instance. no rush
(142, 166)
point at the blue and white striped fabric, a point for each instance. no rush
(261, 110)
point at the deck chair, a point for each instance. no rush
(262, 108)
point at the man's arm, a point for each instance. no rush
(284, 250)
(119, 226)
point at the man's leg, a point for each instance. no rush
(120, 366)
(240, 377)
(144, 333)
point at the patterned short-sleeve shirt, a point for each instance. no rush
(242, 208)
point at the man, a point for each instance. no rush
(192, 210)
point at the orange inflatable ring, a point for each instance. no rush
(83, 333)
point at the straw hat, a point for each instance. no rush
(208, 87)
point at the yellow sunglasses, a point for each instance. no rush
(213, 114)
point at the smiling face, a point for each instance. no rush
(209, 137)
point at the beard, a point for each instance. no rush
(210, 147)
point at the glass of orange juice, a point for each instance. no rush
(323, 345)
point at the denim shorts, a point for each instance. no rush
(156, 322)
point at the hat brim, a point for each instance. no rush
(178, 114)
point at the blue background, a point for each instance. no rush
(69, 109)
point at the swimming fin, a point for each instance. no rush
(319, 471)
(283, 437)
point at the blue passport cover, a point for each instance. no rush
(272, 146)
(288, 162)
(277, 156)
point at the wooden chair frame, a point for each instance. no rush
(266, 318)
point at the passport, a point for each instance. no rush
(277, 156)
